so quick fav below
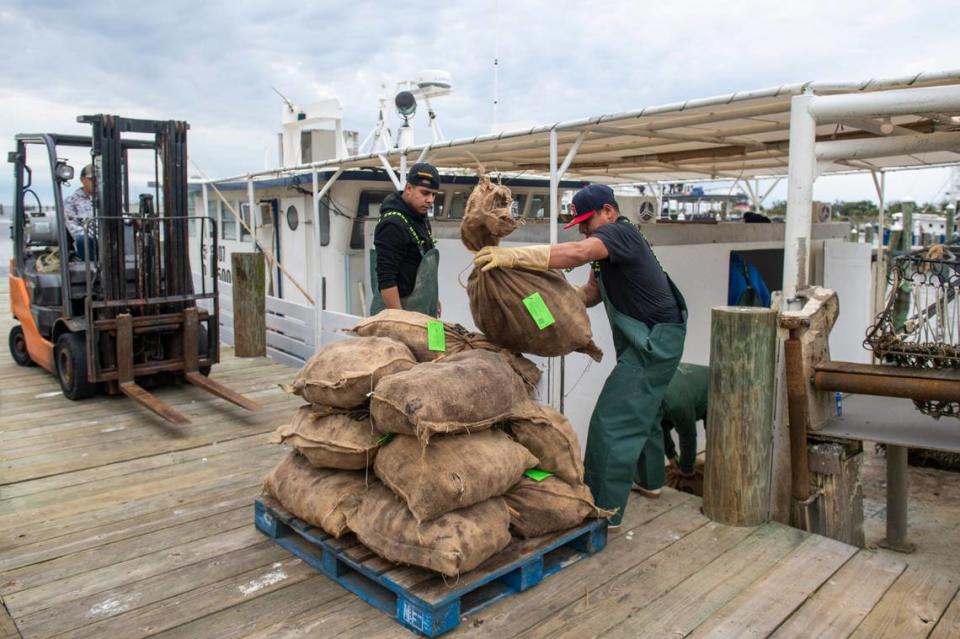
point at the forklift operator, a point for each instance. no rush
(77, 209)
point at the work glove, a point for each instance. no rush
(533, 258)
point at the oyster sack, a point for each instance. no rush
(453, 471)
(497, 296)
(451, 544)
(461, 393)
(320, 497)
(541, 507)
(346, 441)
(550, 437)
(343, 373)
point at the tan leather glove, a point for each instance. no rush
(534, 258)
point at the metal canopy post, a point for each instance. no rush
(318, 293)
(802, 173)
(554, 364)
(554, 189)
(390, 172)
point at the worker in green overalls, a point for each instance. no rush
(647, 315)
(405, 259)
(684, 404)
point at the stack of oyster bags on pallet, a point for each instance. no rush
(460, 454)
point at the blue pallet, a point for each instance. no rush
(421, 599)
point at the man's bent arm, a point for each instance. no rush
(574, 254)
(391, 297)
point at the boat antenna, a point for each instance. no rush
(285, 99)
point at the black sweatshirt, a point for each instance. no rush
(398, 255)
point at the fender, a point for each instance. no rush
(41, 351)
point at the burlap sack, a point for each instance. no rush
(496, 297)
(454, 471)
(347, 441)
(343, 373)
(548, 434)
(461, 393)
(450, 544)
(410, 328)
(541, 507)
(320, 497)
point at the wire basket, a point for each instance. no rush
(919, 326)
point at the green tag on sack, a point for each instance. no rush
(538, 475)
(384, 439)
(538, 311)
(436, 337)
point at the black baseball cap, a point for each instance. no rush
(87, 171)
(588, 201)
(423, 174)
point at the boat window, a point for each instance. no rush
(538, 206)
(213, 209)
(293, 217)
(458, 204)
(228, 225)
(323, 214)
(437, 209)
(369, 206)
(516, 207)
(245, 216)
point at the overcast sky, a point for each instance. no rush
(213, 63)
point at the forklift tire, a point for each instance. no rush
(18, 347)
(70, 355)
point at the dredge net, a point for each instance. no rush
(919, 326)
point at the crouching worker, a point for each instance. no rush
(684, 404)
(647, 315)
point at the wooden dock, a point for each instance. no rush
(115, 524)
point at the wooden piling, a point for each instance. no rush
(740, 436)
(249, 304)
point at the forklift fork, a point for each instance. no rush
(191, 332)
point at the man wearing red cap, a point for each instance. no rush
(647, 315)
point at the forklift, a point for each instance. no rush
(124, 313)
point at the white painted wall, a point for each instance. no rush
(846, 270)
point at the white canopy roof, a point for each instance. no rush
(740, 135)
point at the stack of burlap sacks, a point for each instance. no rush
(449, 436)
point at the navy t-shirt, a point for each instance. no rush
(632, 276)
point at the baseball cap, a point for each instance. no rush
(423, 174)
(588, 201)
(87, 171)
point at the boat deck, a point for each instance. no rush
(116, 524)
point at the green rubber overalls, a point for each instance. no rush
(425, 296)
(625, 439)
(684, 404)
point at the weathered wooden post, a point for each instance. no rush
(249, 304)
(740, 433)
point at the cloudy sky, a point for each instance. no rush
(213, 63)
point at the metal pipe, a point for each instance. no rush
(942, 99)
(888, 384)
(797, 411)
(554, 189)
(802, 173)
(884, 147)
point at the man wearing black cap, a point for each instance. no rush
(406, 256)
(77, 209)
(647, 315)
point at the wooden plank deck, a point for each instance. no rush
(116, 524)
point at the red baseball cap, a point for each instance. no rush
(589, 199)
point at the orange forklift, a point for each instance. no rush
(126, 314)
